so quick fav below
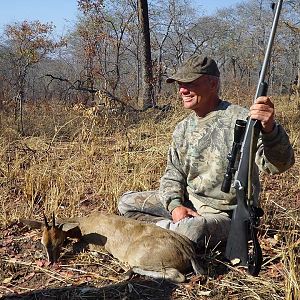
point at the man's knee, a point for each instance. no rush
(142, 206)
(126, 202)
(146, 202)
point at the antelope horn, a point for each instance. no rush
(46, 221)
(53, 220)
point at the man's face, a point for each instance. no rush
(197, 94)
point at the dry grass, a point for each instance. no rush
(73, 162)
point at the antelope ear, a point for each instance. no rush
(33, 224)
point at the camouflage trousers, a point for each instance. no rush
(208, 229)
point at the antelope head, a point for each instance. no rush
(53, 238)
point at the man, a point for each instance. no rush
(190, 200)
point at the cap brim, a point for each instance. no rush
(170, 80)
(181, 78)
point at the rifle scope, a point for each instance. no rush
(239, 131)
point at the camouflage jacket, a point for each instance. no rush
(197, 161)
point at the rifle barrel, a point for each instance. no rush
(269, 49)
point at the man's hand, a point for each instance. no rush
(181, 212)
(263, 110)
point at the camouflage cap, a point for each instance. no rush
(195, 67)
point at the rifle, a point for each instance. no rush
(242, 246)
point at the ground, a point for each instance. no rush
(49, 171)
(26, 274)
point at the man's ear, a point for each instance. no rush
(33, 224)
(214, 82)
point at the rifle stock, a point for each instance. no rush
(242, 245)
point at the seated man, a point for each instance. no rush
(190, 200)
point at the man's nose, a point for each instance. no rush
(183, 88)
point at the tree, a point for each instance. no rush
(27, 44)
(90, 32)
(293, 24)
(147, 94)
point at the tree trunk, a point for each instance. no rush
(298, 81)
(147, 75)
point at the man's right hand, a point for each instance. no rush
(181, 212)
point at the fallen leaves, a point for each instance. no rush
(42, 263)
(275, 270)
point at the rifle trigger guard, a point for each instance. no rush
(238, 185)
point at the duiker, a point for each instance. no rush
(147, 248)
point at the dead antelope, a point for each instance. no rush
(148, 249)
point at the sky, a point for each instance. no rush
(63, 13)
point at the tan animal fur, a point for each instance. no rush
(147, 248)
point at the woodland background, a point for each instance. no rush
(105, 50)
(68, 149)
